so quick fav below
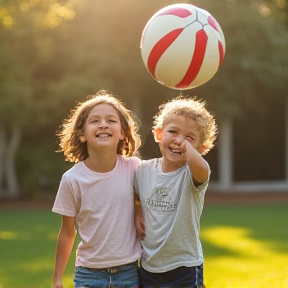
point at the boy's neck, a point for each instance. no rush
(167, 166)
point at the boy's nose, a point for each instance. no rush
(179, 140)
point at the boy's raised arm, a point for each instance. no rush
(198, 166)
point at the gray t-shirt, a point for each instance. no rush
(172, 207)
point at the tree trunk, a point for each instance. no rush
(2, 157)
(13, 188)
(9, 187)
(225, 158)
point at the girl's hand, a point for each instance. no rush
(57, 283)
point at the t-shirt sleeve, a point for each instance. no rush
(136, 187)
(137, 164)
(65, 202)
(203, 186)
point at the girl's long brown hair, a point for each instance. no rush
(70, 131)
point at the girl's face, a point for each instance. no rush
(102, 128)
(175, 132)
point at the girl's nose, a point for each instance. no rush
(103, 124)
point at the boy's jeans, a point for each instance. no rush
(181, 277)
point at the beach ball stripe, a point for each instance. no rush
(212, 21)
(197, 60)
(180, 12)
(160, 48)
(221, 53)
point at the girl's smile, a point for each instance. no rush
(103, 125)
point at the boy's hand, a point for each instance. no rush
(140, 229)
(196, 163)
(187, 150)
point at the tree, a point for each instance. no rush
(54, 53)
(23, 27)
(255, 60)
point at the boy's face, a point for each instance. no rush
(174, 133)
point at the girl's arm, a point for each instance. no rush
(64, 247)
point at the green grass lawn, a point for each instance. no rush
(244, 247)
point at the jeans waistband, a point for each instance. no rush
(115, 269)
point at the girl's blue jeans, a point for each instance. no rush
(124, 276)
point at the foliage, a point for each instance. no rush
(27, 30)
(255, 61)
(54, 53)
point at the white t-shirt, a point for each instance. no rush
(172, 207)
(103, 204)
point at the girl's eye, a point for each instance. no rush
(172, 131)
(190, 138)
(112, 121)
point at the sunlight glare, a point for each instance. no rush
(8, 235)
(236, 240)
(56, 13)
(264, 10)
(5, 17)
(250, 262)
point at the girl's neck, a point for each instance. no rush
(101, 164)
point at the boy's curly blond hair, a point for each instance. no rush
(192, 108)
(72, 127)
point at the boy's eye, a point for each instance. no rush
(172, 131)
(190, 138)
(112, 121)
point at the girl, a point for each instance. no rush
(96, 195)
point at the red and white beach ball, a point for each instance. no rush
(182, 46)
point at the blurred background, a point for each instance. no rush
(55, 53)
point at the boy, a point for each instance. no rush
(171, 192)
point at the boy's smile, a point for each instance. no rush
(178, 132)
(174, 148)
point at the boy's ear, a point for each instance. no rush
(201, 149)
(157, 135)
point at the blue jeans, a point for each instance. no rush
(124, 276)
(181, 277)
